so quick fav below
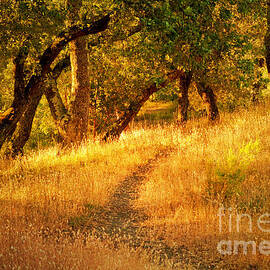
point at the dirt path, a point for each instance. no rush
(119, 223)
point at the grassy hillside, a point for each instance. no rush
(206, 166)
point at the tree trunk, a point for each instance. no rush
(209, 100)
(23, 129)
(183, 101)
(267, 38)
(78, 125)
(255, 93)
(34, 88)
(258, 85)
(120, 125)
(6, 119)
(58, 111)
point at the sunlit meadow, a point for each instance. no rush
(226, 163)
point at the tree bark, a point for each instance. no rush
(19, 94)
(58, 110)
(209, 100)
(10, 118)
(23, 129)
(78, 125)
(183, 101)
(120, 125)
(267, 38)
(24, 126)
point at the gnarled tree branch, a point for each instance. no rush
(117, 37)
(34, 88)
(19, 77)
(120, 125)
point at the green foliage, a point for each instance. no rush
(43, 132)
(254, 204)
(157, 111)
(228, 174)
(218, 41)
(22, 19)
(92, 212)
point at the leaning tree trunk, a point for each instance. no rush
(267, 38)
(209, 100)
(34, 87)
(58, 111)
(183, 102)
(19, 95)
(23, 129)
(121, 124)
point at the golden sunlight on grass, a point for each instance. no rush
(209, 165)
(66, 182)
(225, 164)
(27, 249)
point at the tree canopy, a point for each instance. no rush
(220, 42)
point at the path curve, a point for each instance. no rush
(120, 223)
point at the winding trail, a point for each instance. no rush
(120, 223)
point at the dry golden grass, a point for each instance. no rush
(63, 183)
(27, 249)
(176, 195)
(41, 191)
